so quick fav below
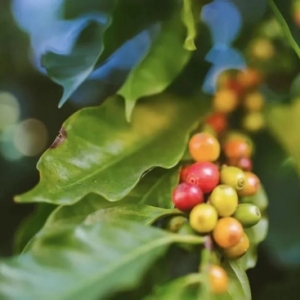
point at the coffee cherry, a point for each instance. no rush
(218, 279)
(185, 196)
(252, 185)
(175, 223)
(228, 232)
(203, 174)
(204, 147)
(239, 249)
(203, 218)
(218, 122)
(225, 101)
(262, 49)
(247, 214)
(237, 147)
(225, 200)
(183, 172)
(254, 102)
(233, 177)
(254, 121)
(243, 163)
(249, 78)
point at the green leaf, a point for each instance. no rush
(285, 26)
(238, 281)
(260, 199)
(283, 123)
(178, 289)
(160, 193)
(31, 225)
(256, 235)
(99, 152)
(137, 15)
(85, 262)
(141, 213)
(71, 70)
(159, 68)
(190, 18)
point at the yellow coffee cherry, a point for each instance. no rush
(254, 102)
(225, 101)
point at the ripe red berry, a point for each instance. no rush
(218, 122)
(203, 174)
(183, 172)
(185, 196)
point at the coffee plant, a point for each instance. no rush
(152, 188)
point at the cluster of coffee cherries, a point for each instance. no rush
(239, 90)
(210, 193)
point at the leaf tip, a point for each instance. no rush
(129, 106)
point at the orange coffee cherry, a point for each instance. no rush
(237, 147)
(218, 122)
(218, 279)
(228, 232)
(204, 147)
(239, 249)
(249, 78)
(252, 185)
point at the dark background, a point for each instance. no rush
(276, 275)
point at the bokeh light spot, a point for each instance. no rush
(30, 137)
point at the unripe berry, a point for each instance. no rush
(233, 177)
(252, 185)
(225, 200)
(203, 174)
(218, 279)
(254, 121)
(254, 102)
(203, 218)
(228, 232)
(239, 249)
(185, 196)
(247, 214)
(225, 101)
(204, 147)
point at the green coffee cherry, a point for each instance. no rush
(175, 223)
(225, 200)
(233, 177)
(248, 214)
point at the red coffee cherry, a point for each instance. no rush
(185, 196)
(218, 122)
(183, 172)
(203, 174)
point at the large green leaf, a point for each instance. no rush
(165, 60)
(190, 17)
(31, 225)
(141, 213)
(71, 70)
(281, 10)
(283, 122)
(137, 15)
(99, 152)
(178, 289)
(238, 281)
(85, 262)
(256, 235)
